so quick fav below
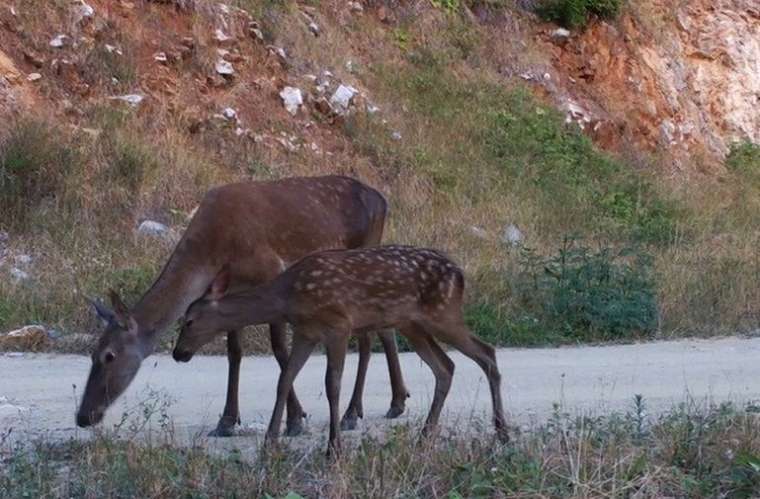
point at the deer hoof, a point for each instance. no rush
(348, 423)
(294, 428)
(223, 430)
(394, 412)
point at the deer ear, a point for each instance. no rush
(220, 284)
(121, 312)
(105, 315)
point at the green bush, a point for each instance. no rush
(744, 158)
(591, 294)
(575, 13)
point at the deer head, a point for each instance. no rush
(201, 322)
(115, 361)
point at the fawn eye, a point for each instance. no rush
(109, 357)
(188, 322)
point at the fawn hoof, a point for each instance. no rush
(348, 423)
(294, 427)
(394, 412)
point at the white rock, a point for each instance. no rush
(19, 275)
(560, 34)
(355, 7)
(350, 66)
(112, 49)
(229, 113)
(512, 235)
(59, 41)
(25, 331)
(221, 36)
(13, 11)
(34, 77)
(155, 229)
(131, 99)
(224, 68)
(160, 57)
(341, 99)
(396, 136)
(83, 10)
(314, 28)
(292, 99)
(371, 108)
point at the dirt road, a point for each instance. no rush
(37, 394)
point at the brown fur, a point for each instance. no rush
(255, 229)
(328, 295)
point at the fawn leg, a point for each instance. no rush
(294, 421)
(442, 367)
(355, 409)
(398, 388)
(336, 355)
(231, 414)
(302, 348)
(461, 338)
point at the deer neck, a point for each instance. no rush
(168, 298)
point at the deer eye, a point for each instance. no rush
(109, 357)
(188, 322)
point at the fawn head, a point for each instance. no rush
(115, 361)
(202, 321)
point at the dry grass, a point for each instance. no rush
(692, 451)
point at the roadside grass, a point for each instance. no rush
(691, 451)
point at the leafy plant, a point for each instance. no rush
(575, 13)
(586, 294)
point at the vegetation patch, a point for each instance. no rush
(576, 13)
(691, 451)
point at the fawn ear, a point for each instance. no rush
(121, 312)
(220, 284)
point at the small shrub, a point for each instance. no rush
(34, 158)
(744, 158)
(447, 5)
(575, 13)
(592, 294)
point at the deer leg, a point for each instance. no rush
(231, 415)
(294, 421)
(484, 355)
(336, 355)
(398, 388)
(302, 348)
(442, 367)
(355, 409)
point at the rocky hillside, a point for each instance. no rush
(118, 115)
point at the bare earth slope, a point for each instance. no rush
(38, 395)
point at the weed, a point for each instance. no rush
(691, 451)
(575, 13)
(589, 294)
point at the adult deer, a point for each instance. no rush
(328, 295)
(255, 230)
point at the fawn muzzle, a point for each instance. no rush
(181, 355)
